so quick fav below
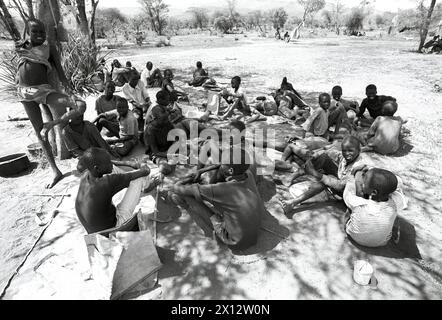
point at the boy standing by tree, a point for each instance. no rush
(36, 61)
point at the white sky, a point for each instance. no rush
(182, 5)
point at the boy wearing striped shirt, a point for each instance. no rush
(374, 199)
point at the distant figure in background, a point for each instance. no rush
(169, 86)
(120, 75)
(373, 103)
(129, 66)
(199, 76)
(383, 136)
(150, 77)
(127, 130)
(352, 107)
(136, 93)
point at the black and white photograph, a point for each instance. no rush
(237, 151)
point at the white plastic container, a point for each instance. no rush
(362, 273)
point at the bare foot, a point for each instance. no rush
(58, 177)
(288, 207)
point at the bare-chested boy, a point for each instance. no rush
(36, 60)
(99, 184)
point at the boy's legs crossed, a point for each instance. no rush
(112, 126)
(126, 148)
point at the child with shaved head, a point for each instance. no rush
(383, 136)
(99, 182)
(374, 200)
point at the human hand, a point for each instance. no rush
(361, 167)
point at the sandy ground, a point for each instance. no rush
(315, 261)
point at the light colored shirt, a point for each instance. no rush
(344, 171)
(128, 124)
(317, 123)
(145, 74)
(386, 131)
(138, 94)
(240, 92)
(371, 223)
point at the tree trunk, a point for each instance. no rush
(9, 22)
(82, 18)
(92, 22)
(426, 26)
(49, 14)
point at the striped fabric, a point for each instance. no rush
(371, 223)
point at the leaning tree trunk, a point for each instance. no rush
(9, 22)
(426, 26)
(49, 14)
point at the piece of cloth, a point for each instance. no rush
(89, 137)
(374, 106)
(371, 223)
(317, 123)
(386, 131)
(138, 94)
(103, 105)
(39, 54)
(240, 208)
(36, 94)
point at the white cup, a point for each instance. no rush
(362, 272)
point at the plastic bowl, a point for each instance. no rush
(13, 164)
(35, 150)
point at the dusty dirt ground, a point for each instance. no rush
(315, 260)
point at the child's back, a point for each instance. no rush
(386, 135)
(94, 200)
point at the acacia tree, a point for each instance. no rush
(311, 7)
(156, 11)
(8, 22)
(200, 17)
(86, 24)
(426, 15)
(338, 8)
(279, 18)
(355, 20)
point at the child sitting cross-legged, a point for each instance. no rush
(383, 136)
(330, 174)
(374, 200)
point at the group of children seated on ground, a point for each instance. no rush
(222, 198)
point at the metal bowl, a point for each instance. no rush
(13, 164)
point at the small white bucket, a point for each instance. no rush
(362, 272)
